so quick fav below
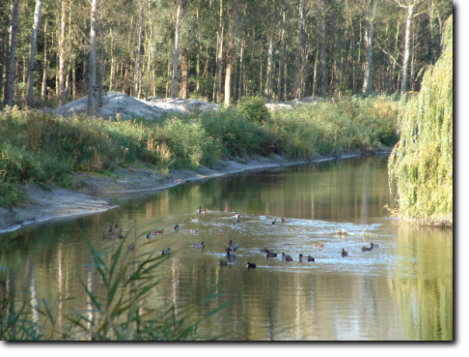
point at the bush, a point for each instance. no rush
(254, 109)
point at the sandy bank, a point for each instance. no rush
(58, 202)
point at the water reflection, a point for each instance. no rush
(400, 291)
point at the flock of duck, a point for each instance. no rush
(116, 232)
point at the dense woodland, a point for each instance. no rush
(53, 51)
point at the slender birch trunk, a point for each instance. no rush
(296, 83)
(45, 66)
(32, 52)
(92, 65)
(176, 50)
(229, 55)
(100, 68)
(61, 87)
(281, 57)
(405, 61)
(183, 92)
(323, 49)
(220, 54)
(137, 76)
(271, 53)
(370, 16)
(10, 79)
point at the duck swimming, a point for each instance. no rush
(344, 253)
(269, 254)
(194, 231)
(166, 251)
(176, 227)
(368, 249)
(230, 248)
(287, 257)
(199, 245)
(251, 265)
(158, 232)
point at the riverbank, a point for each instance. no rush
(56, 202)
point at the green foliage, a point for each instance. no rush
(422, 162)
(40, 147)
(254, 109)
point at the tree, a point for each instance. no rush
(61, 89)
(229, 55)
(176, 49)
(370, 16)
(92, 65)
(9, 92)
(32, 53)
(410, 6)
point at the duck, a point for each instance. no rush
(117, 229)
(287, 257)
(200, 209)
(235, 223)
(368, 249)
(341, 232)
(223, 263)
(194, 231)
(274, 221)
(344, 253)
(230, 256)
(176, 227)
(320, 245)
(110, 231)
(195, 219)
(119, 236)
(309, 258)
(269, 254)
(166, 251)
(199, 245)
(149, 235)
(251, 265)
(158, 232)
(230, 248)
(282, 219)
(236, 215)
(375, 245)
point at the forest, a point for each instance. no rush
(54, 51)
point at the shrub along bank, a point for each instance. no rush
(40, 147)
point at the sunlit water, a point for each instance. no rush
(402, 290)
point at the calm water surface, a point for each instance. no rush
(401, 291)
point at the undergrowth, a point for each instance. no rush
(41, 147)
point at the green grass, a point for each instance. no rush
(40, 147)
(422, 162)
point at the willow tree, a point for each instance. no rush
(422, 161)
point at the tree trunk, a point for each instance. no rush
(3, 48)
(129, 63)
(176, 50)
(405, 61)
(323, 50)
(315, 72)
(45, 65)
(61, 88)
(241, 69)
(369, 46)
(184, 90)
(101, 69)
(199, 45)
(281, 57)
(10, 80)
(92, 65)
(229, 55)
(296, 83)
(271, 53)
(137, 76)
(220, 54)
(32, 52)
